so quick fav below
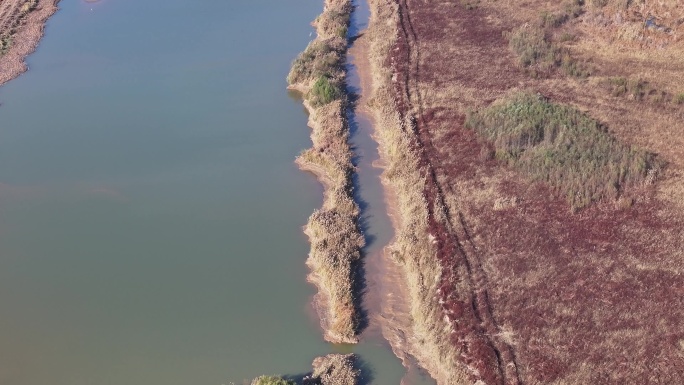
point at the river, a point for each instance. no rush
(150, 211)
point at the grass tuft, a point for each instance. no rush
(470, 4)
(325, 91)
(638, 90)
(272, 380)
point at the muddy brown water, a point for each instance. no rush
(150, 210)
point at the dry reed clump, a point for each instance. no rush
(333, 369)
(563, 147)
(428, 336)
(333, 230)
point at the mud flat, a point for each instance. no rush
(21, 26)
(333, 230)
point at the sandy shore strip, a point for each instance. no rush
(22, 23)
(333, 230)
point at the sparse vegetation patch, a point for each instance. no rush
(470, 4)
(571, 10)
(320, 58)
(563, 147)
(539, 55)
(325, 91)
(332, 369)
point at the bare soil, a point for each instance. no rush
(533, 293)
(21, 26)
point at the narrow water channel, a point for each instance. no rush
(376, 223)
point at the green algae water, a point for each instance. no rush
(150, 209)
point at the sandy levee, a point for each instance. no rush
(333, 230)
(21, 26)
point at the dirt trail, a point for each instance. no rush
(483, 346)
(21, 27)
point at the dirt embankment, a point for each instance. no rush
(333, 230)
(505, 284)
(21, 27)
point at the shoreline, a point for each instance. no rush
(25, 30)
(333, 230)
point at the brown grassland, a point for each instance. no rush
(21, 27)
(508, 283)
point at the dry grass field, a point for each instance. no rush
(535, 292)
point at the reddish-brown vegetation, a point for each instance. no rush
(534, 294)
